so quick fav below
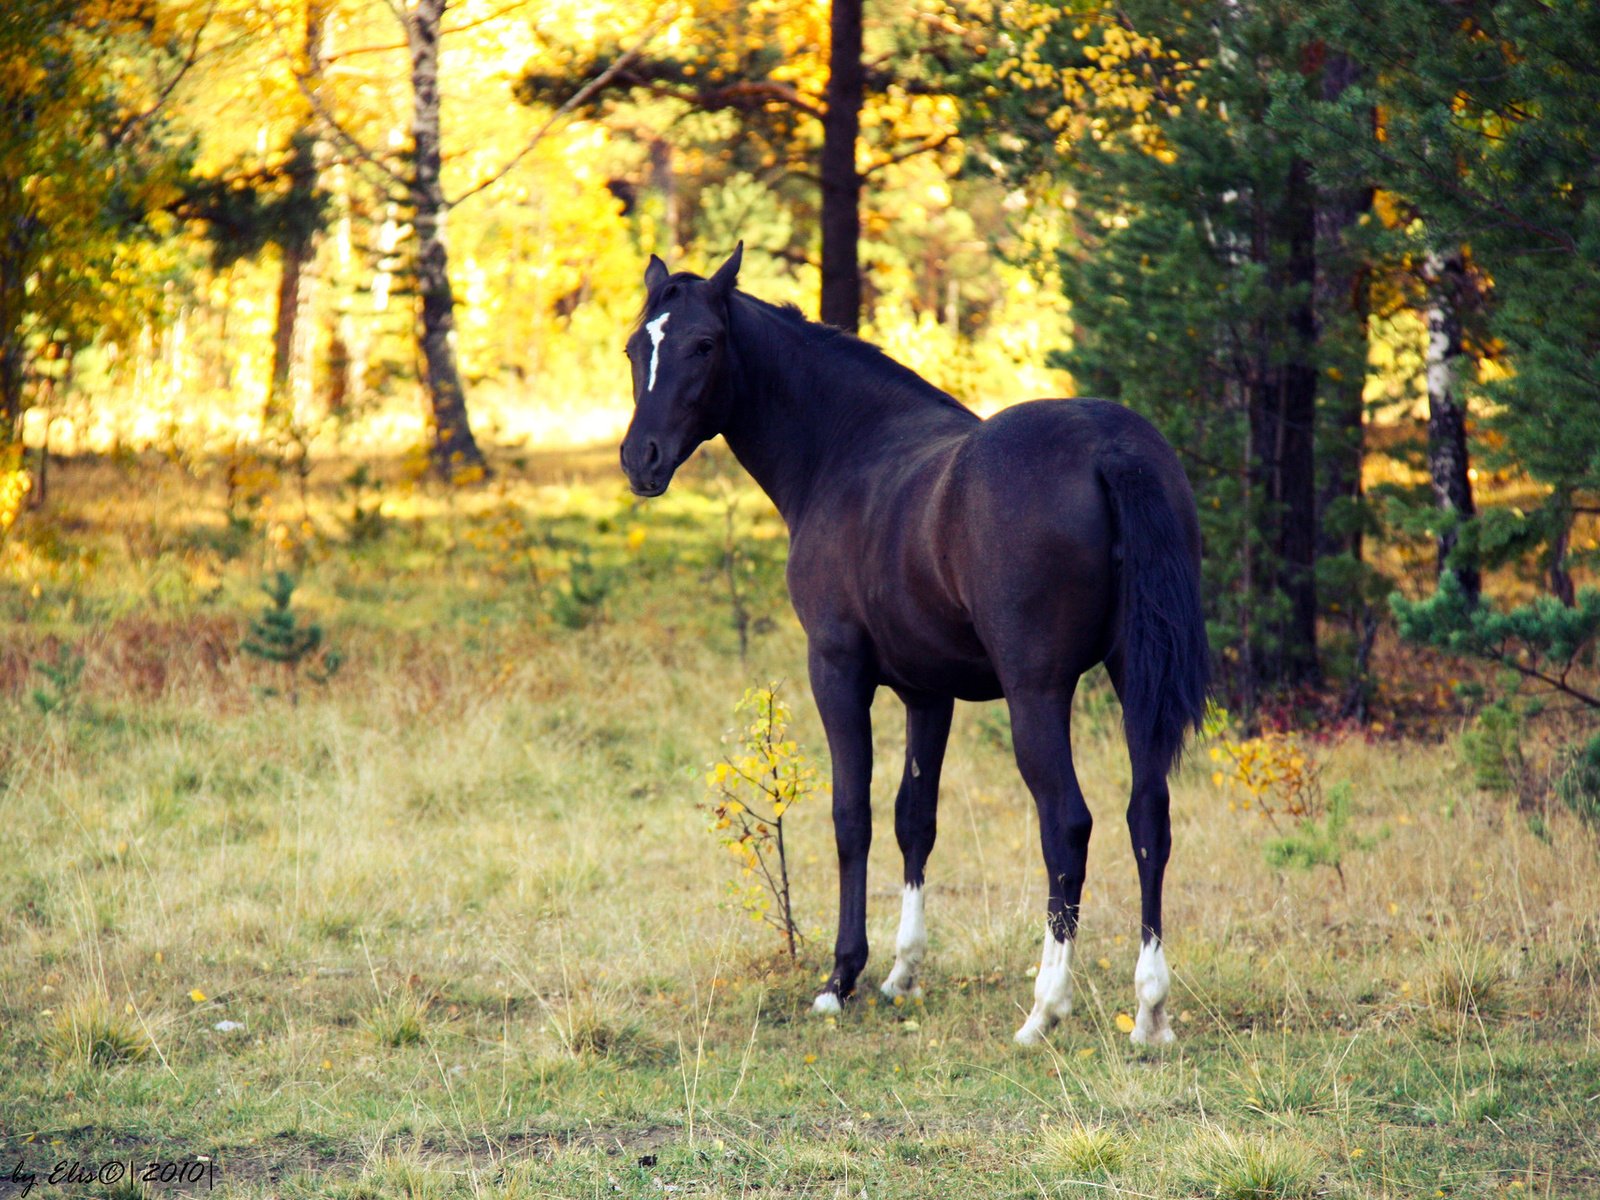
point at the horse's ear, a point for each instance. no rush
(655, 274)
(728, 273)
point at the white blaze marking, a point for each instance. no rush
(1052, 991)
(657, 330)
(1151, 983)
(909, 947)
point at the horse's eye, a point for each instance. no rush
(705, 346)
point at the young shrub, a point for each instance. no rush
(15, 484)
(1493, 749)
(1321, 843)
(1278, 777)
(752, 790)
(365, 524)
(1579, 785)
(1274, 772)
(577, 601)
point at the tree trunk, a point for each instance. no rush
(1447, 282)
(18, 254)
(454, 451)
(11, 377)
(296, 252)
(1341, 305)
(1282, 396)
(1561, 586)
(298, 249)
(1296, 474)
(841, 182)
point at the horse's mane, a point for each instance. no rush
(834, 356)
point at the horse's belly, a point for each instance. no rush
(941, 661)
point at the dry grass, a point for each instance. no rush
(88, 1032)
(464, 906)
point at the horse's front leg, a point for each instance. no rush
(844, 700)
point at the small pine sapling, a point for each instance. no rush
(1545, 646)
(1321, 843)
(62, 681)
(278, 636)
(577, 600)
(1579, 785)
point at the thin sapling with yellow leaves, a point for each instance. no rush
(753, 787)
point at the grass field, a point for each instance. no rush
(453, 925)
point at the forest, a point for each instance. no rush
(1349, 279)
(312, 533)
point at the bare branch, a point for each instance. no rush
(342, 55)
(577, 98)
(359, 151)
(922, 147)
(189, 60)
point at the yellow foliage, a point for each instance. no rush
(15, 484)
(1132, 78)
(1274, 771)
(753, 786)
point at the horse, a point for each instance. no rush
(947, 557)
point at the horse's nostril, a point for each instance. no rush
(652, 454)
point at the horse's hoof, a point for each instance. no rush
(1031, 1034)
(827, 1005)
(893, 990)
(1161, 1035)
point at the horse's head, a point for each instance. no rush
(677, 354)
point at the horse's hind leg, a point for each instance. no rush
(915, 824)
(1150, 827)
(1040, 731)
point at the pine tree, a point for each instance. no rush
(1193, 277)
(279, 636)
(1487, 142)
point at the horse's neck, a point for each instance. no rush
(771, 439)
(796, 431)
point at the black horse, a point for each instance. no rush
(946, 557)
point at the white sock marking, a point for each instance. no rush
(1151, 983)
(1052, 991)
(657, 330)
(909, 947)
(827, 1004)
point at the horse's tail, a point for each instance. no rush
(1161, 629)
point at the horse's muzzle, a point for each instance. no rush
(647, 472)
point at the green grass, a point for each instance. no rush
(461, 912)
